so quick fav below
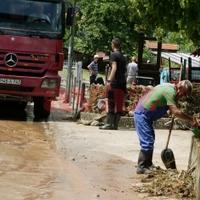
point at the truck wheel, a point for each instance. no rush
(22, 105)
(42, 108)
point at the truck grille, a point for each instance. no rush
(27, 64)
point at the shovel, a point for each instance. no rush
(167, 154)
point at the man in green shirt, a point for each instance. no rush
(153, 106)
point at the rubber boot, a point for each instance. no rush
(150, 164)
(141, 163)
(109, 123)
(149, 156)
(116, 120)
(145, 162)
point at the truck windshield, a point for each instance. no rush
(43, 18)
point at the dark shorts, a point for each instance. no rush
(93, 79)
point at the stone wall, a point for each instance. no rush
(88, 118)
(194, 164)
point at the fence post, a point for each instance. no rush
(170, 73)
(189, 69)
(184, 70)
(78, 97)
(82, 94)
(74, 94)
(71, 88)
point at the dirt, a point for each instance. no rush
(107, 159)
(171, 183)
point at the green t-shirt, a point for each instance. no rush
(160, 96)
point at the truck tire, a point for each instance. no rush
(22, 105)
(42, 108)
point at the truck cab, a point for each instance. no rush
(31, 52)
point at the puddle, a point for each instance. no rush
(29, 166)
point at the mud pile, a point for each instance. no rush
(97, 98)
(169, 183)
(97, 102)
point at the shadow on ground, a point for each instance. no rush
(13, 111)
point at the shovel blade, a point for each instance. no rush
(168, 159)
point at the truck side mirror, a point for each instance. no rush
(70, 16)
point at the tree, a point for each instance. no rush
(169, 16)
(99, 21)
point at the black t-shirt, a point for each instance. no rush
(120, 77)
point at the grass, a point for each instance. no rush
(85, 74)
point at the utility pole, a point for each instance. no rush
(70, 52)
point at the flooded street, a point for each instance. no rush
(39, 161)
(63, 160)
(30, 167)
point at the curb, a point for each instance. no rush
(127, 122)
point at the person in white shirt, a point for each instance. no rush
(132, 71)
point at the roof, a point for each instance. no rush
(196, 52)
(165, 46)
(176, 58)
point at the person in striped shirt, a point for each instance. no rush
(93, 68)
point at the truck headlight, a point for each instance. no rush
(49, 83)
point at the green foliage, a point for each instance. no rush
(164, 16)
(98, 22)
(147, 55)
(180, 38)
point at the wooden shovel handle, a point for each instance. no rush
(170, 131)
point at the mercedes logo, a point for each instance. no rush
(11, 59)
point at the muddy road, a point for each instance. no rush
(30, 168)
(62, 160)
